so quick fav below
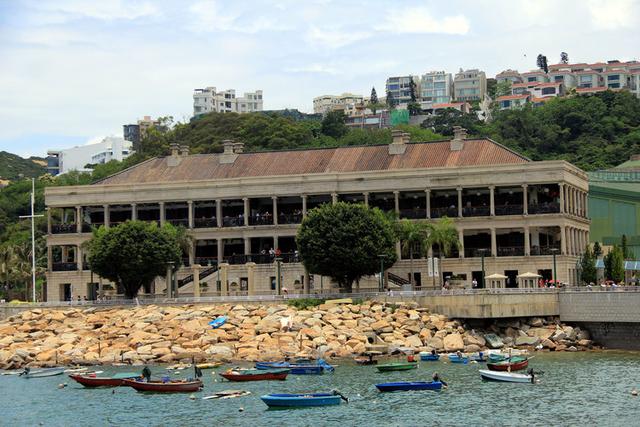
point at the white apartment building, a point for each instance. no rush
(210, 100)
(346, 102)
(400, 89)
(76, 158)
(470, 85)
(512, 76)
(436, 87)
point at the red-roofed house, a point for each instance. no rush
(545, 90)
(509, 102)
(615, 78)
(535, 76)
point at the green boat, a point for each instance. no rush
(399, 366)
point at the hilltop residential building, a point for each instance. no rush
(535, 76)
(399, 88)
(237, 206)
(346, 102)
(510, 102)
(77, 158)
(470, 85)
(436, 87)
(135, 132)
(210, 100)
(512, 76)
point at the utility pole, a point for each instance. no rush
(33, 236)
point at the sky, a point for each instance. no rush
(74, 71)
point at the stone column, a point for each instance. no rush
(573, 201)
(79, 219)
(220, 244)
(163, 213)
(246, 210)
(107, 216)
(398, 250)
(334, 198)
(396, 202)
(49, 258)
(224, 279)
(274, 201)
(366, 198)
(563, 240)
(79, 266)
(168, 282)
(195, 268)
(527, 241)
(48, 220)
(219, 212)
(525, 199)
(428, 192)
(586, 204)
(306, 285)
(494, 242)
(247, 246)
(459, 201)
(190, 213)
(492, 200)
(251, 278)
(461, 238)
(134, 212)
(304, 205)
(192, 253)
(275, 242)
(561, 191)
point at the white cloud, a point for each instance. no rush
(208, 17)
(313, 68)
(613, 14)
(420, 21)
(334, 38)
(105, 10)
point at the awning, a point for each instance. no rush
(528, 275)
(496, 276)
(630, 265)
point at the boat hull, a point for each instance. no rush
(505, 376)
(300, 400)
(397, 367)
(162, 387)
(91, 382)
(44, 373)
(408, 386)
(279, 375)
(504, 366)
(430, 357)
(295, 369)
(454, 358)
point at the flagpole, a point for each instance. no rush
(33, 236)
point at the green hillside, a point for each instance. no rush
(11, 166)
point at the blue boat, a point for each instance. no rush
(455, 358)
(217, 322)
(299, 400)
(320, 367)
(479, 357)
(429, 357)
(410, 385)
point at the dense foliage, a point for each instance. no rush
(344, 241)
(12, 167)
(614, 264)
(134, 253)
(588, 272)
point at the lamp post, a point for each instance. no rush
(278, 284)
(170, 265)
(482, 252)
(554, 251)
(381, 282)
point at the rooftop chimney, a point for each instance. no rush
(635, 157)
(399, 143)
(229, 154)
(184, 150)
(459, 135)
(238, 147)
(174, 159)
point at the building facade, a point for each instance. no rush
(239, 206)
(346, 102)
(470, 85)
(136, 132)
(209, 100)
(436, 87)
(400, 89)
(77, 158)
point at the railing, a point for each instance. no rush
(509, 209)
(233, 221)
(293, 218)
(205, 222)
(511, 251)
(476, 252)
(288, 257)
(88, 228)
(206, 260)
(476, 211)
(440, 212)
(64, 266)
(179, 222)
(417, 213)
(545, 250)
(544, 208)
(261, 220)
(202, 275)
(64, 228)
(400, 281)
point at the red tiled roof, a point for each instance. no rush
(448, 104)
(316, 161)
(536, 72)
(509, 97)
(545, 99)
(549, 84)
(616, 71)
(591, 89)
(587, 72)
(526, 84)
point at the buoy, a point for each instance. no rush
(61, 385)
(192, 397)
(634, 392)
(241, 409)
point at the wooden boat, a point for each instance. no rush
(509, 377)
(429, 357)
(514, 364)
(42, 373)
(94, 381)
(497, 357)
(368, 358)
(318, 368)
(298, 400)
(227, 394)
(457, 358)
(410, 385)
(209, 365)
(172, 386)
(397, 366)
(255, 375)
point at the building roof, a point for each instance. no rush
(449, 104)
(549, 84)
(478, 152)
(510, 97)
(590, 89)
(545, 99)
(525, 84)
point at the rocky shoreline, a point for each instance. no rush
(168, 334)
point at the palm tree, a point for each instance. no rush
(6, 258)
(21, 266)
(413, 234)
(444, 234)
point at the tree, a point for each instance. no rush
(445, 236)
(413, 235)
(614, 264)
(597, 250)
(444, 121)
(133, 254)
(344, 241)
(333, 124)
(541, 61)
(391, 102)
(374, 103)
(626, 253)
(564, 58)
(503, 88)
(413, 90)
(588, 273)
(374, 96)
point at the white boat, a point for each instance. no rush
(509, 377)
(41, 373)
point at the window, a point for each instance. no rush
(614, 85)
(559, 79)
(439, 85)
(549, 91)
(393, 87)
(586, 79)
(613, 77)
(532, 79)
(505, 104)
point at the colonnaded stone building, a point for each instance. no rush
(241, 207)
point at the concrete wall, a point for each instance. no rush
(598, 306)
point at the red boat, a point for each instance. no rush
(94, 381)
(174, 386)
(255, 375)
(506, 365)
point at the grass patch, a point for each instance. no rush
(304, 303)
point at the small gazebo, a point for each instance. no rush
(528, 280)
(496, 281)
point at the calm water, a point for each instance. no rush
(577, 389)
